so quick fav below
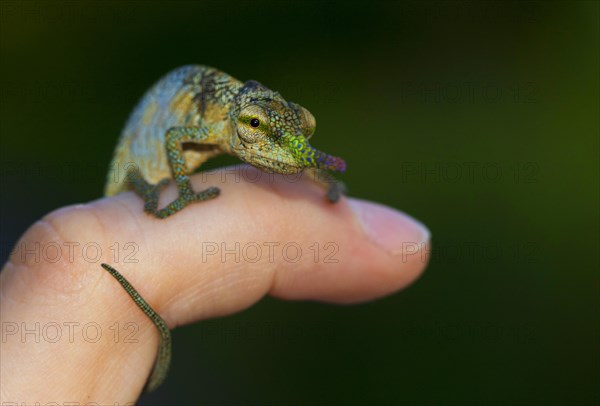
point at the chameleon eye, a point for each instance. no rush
(251, 123)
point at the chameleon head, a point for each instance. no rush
(273, 134)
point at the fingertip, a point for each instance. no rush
(380, 250)
(396, 252)
(392, 230)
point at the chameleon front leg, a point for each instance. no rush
(163, 357)
(175, 138)
(335, 188)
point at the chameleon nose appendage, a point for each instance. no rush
(311, 157)
(328, 162)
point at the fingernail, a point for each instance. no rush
(392, 230)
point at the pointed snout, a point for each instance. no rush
(310, 157)
(328, 162)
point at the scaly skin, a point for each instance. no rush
(195, 113)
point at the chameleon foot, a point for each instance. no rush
(151, 193)
(335, 191)
(163, 357)
(335, 188)
(185, 199)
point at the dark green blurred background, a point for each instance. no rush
(480, 119)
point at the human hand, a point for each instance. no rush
(380, 251)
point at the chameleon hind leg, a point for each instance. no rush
(163, 357)
(175, 137)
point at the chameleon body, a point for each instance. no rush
(195, 113)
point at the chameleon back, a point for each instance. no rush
(175, 100)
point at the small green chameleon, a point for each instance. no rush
(192, 114)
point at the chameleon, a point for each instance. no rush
(192, 114)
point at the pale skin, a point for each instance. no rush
(182, 288)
